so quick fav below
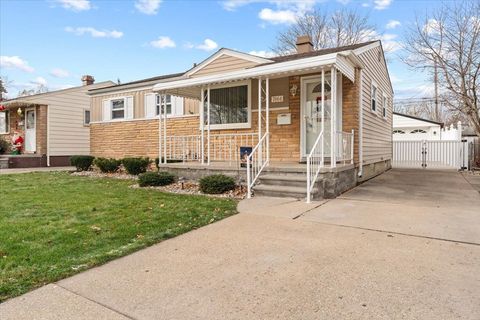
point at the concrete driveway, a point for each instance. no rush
(402, 246)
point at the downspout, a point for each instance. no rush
(48, 136)
(360, 125)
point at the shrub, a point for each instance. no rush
(4, 146)
(136, 166)
(155, 179)
(217, 183)
(107, 165)
(82, 163)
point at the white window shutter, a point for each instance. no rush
(107, 112)
(150, 105)
(178, 106)
(129, 108)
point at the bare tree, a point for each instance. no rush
(327, 30)
(449, 40)
(3, 89)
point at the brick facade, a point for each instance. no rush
(350, 110)
(140, 138)
(40, 124)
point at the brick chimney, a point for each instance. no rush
(304, 44)
(87, 80)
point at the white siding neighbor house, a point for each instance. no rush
(53, 125)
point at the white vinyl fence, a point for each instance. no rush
(428, 154)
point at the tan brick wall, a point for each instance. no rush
(140, 138)
(350, 110)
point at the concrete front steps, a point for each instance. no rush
(292, 182)
(291, 185)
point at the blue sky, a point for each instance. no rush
(55, 42)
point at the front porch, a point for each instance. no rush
(303, 115)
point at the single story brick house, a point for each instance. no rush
(53, 126)
(312, 123)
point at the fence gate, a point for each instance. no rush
(428, 154)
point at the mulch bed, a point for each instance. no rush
(186, 187)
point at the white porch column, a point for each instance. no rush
(323, 117)
(267, 116)
(160, 145)
(164, 128)
(208, 119)
(333, 118)
(202, 125)
(259, 109)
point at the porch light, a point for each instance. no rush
(19, 112)
(293, 90)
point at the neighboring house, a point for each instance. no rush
(411, 128)
(301, 108)
(54, 125)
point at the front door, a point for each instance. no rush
(314, 119)
(30, 131)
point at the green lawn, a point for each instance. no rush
(53, 225)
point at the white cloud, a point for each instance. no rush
(344, 2)
(207, 45)
(263, 53)
(15, 62)
(75, 5)
(390, 44)
(382, 4)
(432, 26)
(277, 16)
(149, 7)
(365, 4)
(392, 24)
(39, 81)
(59, 73)
(163, 42)
(94, 32)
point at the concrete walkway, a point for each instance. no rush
(402, 246)
(41, 169)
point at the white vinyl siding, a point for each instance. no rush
(377, 131)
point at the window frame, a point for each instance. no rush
(7, 121)
(373, 97)
(85, 123)
(158, 103)
(226, 126)
(124, 108)
(398, 131)
(418, 131)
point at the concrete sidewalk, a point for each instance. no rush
(284, 259)
(40, 169)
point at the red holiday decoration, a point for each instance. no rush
(2, 107)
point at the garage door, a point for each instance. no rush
(427, 154)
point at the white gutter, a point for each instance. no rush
(270, 69)
(360, 125)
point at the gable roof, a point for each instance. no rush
(33, 97)
(320, 52)
(417, 118)
(228, 52)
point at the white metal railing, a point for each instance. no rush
(226, 146)
(257, 161)
(315, 161)
(185, 148)
(223, 147)
(344, 146)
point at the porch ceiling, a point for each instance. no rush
(190, 87)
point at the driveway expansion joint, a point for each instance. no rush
(96, 302)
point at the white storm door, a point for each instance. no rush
(30, 130)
